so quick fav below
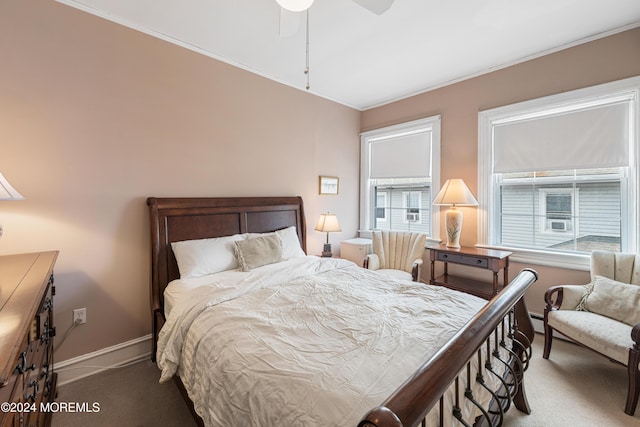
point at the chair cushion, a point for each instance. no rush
(617, 300)
(602, 334)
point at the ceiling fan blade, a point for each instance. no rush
(289, 22)
(376, 6)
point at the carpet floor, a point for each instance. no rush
(575, 387)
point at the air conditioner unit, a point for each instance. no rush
(412, 216)
(558, 225)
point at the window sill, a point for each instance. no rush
(366, 234)
(545, 258)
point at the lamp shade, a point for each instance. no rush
(295, 5)
(7, 192)
(328, 222)
(455, 192)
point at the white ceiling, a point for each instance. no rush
(361, 59)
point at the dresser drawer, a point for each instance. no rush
(463, 259)
(41, 328)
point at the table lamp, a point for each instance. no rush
(328, 223)
(295, 5)
(7, 192)
(454, 193)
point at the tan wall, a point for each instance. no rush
(608, 59)
(95, 117)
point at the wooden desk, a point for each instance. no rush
(487, 259)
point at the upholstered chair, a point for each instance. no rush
(396, 253)
(603, 315)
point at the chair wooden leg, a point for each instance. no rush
(548, 338)
(634, 382)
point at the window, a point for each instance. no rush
(558, 175)
(556, 205)
(381, 206)
(412, 203)
(399, 166)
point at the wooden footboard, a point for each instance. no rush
(503, 320)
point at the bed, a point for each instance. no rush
(360, 349)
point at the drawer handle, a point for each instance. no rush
(22, 365)
(445, 256)
(34, 396)
(479, 261)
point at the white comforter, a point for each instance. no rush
(306, 342)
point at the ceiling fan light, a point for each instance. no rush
(295, 5)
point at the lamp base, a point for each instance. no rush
(453, 219)
(326, 251)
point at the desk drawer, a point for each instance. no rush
(463, 259)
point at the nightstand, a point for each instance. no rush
(355, 249)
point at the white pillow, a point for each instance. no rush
(206, 256)
(290, 243)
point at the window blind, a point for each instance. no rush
(405, 156)
(587, 138)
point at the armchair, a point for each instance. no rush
(603, 315)
(398, 254)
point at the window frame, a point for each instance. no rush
(630, 184)
(367, 196)
(544, 224)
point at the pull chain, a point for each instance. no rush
(306, 69)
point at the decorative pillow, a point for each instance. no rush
(200, 257)
(613, 299)
(582, 305)
(259, 251)
(290, 244)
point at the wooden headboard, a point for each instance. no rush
(176, 219)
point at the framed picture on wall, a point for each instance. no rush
(328, 184)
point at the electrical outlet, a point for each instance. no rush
(80, 316)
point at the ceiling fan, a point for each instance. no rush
(290, 12)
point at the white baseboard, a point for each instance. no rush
(538, 323)
(108, 358)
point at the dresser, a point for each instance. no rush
(27, 379)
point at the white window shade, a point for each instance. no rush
(587, 138)
(406, 156)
